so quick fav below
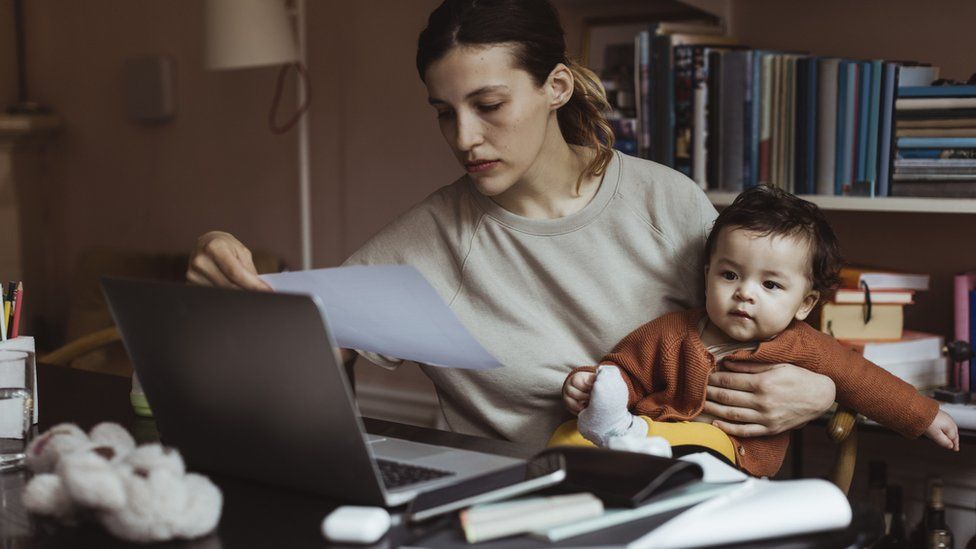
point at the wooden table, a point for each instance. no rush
(257, 515)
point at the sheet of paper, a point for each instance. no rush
(715, 469)
(391, 310)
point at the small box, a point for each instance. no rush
(150, 88)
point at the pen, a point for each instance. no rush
(18, 306)
(3, 318)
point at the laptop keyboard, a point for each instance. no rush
(396, 474)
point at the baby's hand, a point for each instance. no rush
(576, 391)
(944, 431)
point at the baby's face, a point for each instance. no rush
(756, 285)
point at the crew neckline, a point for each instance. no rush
(560, 225)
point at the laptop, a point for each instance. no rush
(250, 384)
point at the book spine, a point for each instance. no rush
(713, 141)
(756, 116)
(937, 142)
(842, 148)
(645, 106)
(733, 123)
(863, 120)
(871, 163)
(937, 91)
(684, 70)
(972, 338)
(699, 153)
(810, 153)
(826, 124)
(766, 129)
(886, 151)
(749, 130)
(962, 284)
(662, 63)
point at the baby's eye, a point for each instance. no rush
(728, 275)
(770, 285)
(489, 108)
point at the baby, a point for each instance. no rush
(769, 259)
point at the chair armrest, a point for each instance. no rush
(81, 346)
(842, 429)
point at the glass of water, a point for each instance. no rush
(16, 407)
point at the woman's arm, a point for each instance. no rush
(766, 399)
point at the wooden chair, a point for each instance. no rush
(842, 429)
(94, 343)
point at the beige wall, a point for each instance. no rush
(375, 147)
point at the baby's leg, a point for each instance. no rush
(606, 416)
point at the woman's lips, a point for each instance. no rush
(480, 165)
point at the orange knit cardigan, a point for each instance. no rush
(666, 368)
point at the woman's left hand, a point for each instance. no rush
(752, 399)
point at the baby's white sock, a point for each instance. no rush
(606, 416)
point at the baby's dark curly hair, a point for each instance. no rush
(774, 212)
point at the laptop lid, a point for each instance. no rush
(247, 384)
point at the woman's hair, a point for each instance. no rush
(770, 211)
(533, 28)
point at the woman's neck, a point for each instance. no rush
(548, 190)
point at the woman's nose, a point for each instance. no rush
(469, 132)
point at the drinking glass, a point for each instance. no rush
(16, 407)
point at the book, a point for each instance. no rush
(495, 520)
(673, 500)
(962, 284)
(934, 189)
(889, 88)
(928, 103)
(876, 279)
(936, 132)
(937, 142)
(826, 124)
(913, 75)
(846, 99)
(880, 297)
(848, 322)
(863, 123)
(936, 123)
(912, 347)
(766, 119)
(732, 110)
(937, 91)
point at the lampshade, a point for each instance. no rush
(247, 33)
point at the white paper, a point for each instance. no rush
(391, 310)
(11, 410)
(756, 509)
(715, 469)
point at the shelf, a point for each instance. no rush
(863, 204)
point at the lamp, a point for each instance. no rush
(241, 34)
(247, 33)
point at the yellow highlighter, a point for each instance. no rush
(5, 321)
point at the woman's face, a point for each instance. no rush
(493, 116)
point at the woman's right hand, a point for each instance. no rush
(221, 260)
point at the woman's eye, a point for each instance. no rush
(728, 275)
(490, 108)
(770, 285)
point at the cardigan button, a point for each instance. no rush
(742, 450)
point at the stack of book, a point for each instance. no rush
(936, 142)
(731, 117)
(867, 314)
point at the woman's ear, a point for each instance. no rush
(809, 302)
(559, 86)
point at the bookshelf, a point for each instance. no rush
(866, 204)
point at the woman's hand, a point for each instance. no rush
(221, 260)
(576, 391)
(754, 399)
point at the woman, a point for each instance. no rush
(553, 246)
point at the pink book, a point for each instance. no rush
(962, 284)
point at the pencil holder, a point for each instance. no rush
(11, 413)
